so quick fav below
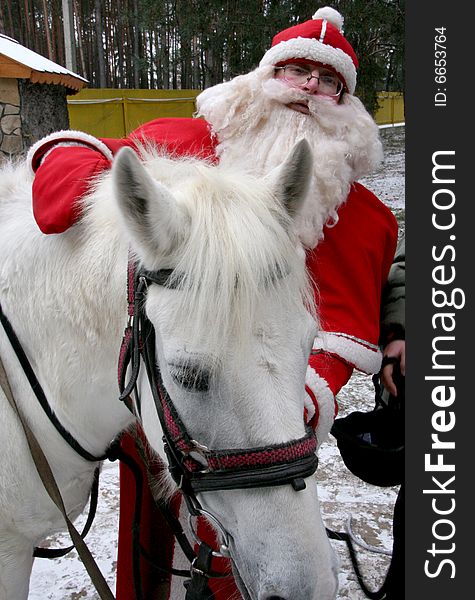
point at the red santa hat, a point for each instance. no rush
(319, 40)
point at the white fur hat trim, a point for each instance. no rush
(331, 15)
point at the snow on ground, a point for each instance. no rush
(342, 495)
(387, 182)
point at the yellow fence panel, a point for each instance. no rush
(391, 108)
(115, 113)
(101, 117)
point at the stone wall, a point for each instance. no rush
(11, 138)
(28, 112)
(44, 109)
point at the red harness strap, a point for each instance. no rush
(126, 340)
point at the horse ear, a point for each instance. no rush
(148, 208)
(292, 178)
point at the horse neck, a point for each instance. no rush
(65, 296)
(77, 358)
(102, 305)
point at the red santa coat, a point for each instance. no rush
(350, 267)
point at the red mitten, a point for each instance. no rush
(60, 181)
(326, 375)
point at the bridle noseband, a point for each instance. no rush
(229, 469)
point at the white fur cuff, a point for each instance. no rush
(64, 138)
(361, 354)
(325, 401)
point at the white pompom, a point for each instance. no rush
(331, 15)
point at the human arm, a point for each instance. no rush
(393, 320)
(66, 163)
(349, 268)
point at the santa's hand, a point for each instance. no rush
(62, 179)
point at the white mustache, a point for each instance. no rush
(279, 91)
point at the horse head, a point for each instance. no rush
(233, 329)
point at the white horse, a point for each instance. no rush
(240, 320)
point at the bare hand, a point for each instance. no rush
(395, 349)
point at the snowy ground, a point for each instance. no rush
(342, 495)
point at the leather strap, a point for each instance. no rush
(51, 487)
(389, 360)
(197, 587)
(39, 393)
(379, 594)
(40, 552)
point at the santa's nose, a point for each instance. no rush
(311, 86)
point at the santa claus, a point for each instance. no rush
(303, 88)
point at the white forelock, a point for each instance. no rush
(239, 244)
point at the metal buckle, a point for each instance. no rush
(224, 546)
(199, 448)
(193, 569)
(199, 453)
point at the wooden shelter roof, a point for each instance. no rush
(16, 61)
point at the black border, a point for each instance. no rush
(431, 128)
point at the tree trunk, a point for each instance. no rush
(164, 65)
(100, 44)
(47, 32)
(2, 22)
(136, 62)
(80, 30)
(28, 16)
(196, 76)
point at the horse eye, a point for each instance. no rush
(194, 380)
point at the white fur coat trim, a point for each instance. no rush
(67, 137)
(326, 404)
(312, 49)
(361, 354)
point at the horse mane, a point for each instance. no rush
(239, 246)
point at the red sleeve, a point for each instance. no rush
(178, 136)
(64, 169)
(350, 267)
(332, 369)
(326, 375)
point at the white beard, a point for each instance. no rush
(256, 131)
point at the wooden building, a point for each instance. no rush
(33, 94)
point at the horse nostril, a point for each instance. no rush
(275, 598)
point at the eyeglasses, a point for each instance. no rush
(328, 85)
